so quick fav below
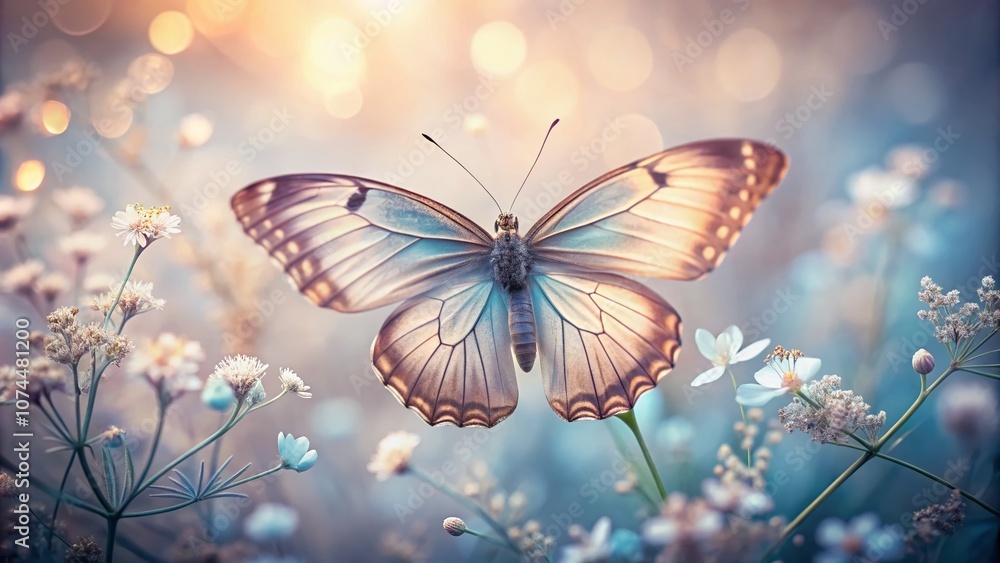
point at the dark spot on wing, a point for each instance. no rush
(659, 178)
(357, 199)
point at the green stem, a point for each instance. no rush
(195, 449)
(924, 391)
(234, 484)
(55, 411)
(490, 539)
(743, 412)
(469, 503)
(71, 500)
(979, 372)
(628, 418)
(114, 305)
(55, 508)
(818, 501)
(109, 544)
(933, 477)
(162, 415)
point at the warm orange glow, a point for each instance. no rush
(195, 130)
(344, 105)
(333, 63)
(171, 32)
(547, 88)
(620, 58)
(55, 117)
(215, 19)
(748, 65)
(29, 175)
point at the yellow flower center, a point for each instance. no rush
(790, 380)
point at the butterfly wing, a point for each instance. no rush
(446, 355)
(603, 340)
(353, 244)
(671, 215)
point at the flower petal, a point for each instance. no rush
(735, 339)
(751, 395)
(752, 350)
(708, 376)
(601, 532)
(706, 343)
(831, 532)
(307, 461)
(807, 368)
(768, 376)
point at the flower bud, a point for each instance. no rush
(114, 437)
(454, 526)
(217, 395)
(923, 362)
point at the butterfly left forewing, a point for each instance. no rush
(446, 355)
(354, 244)
(672, 215)
(604, 340)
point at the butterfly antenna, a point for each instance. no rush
(533, 164)
(426, 136)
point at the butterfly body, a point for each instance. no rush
(472, 302)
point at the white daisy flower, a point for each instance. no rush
(785, 372)
(142, 225)
(723, 351)
(291, 382)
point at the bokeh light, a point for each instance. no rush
(215, 19)
(748, 65)
(29, 175)
(195, 130)
(150, 73)
(344, 105)
(547, 90)
(171, 32)
(55, 116)
(333, 63)
(80, 17)
(607, 51)
(498, 48)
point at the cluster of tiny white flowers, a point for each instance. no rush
(954, 321)
(839, 410)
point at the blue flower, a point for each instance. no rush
(626, 547)
(295, 453)
(217, 395)
(862, 537)
(270, 522)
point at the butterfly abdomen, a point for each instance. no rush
(521, 319)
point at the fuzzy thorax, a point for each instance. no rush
(511, 261)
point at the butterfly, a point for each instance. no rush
(473, 302)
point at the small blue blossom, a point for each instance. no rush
(217, 395)
(861, 538)
(270, 522)
(626, 547)
(295, 453)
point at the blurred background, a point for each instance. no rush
(887, 110)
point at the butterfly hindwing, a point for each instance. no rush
(353, 244)
(603, 340)
(672, 215)
(446, 355)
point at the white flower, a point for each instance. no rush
(877, 187)
(81, 245)
(595, 546)
(142, 225)
(292, 383)
(12, 210)
(785, 372)
(170, 364)
(393, 454)
(22, 278)
(724, 351)
(137, 298)
(79, 203)
(242, 373)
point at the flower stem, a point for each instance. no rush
(109, 544)
(114, 305)
(489, 539)
(187, 503)
(469, 503)
(743, 411)
(55, 508)
(817, 501)
(933, 477)
(628, 418)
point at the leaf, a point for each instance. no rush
(129, 472)
(110, 475)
